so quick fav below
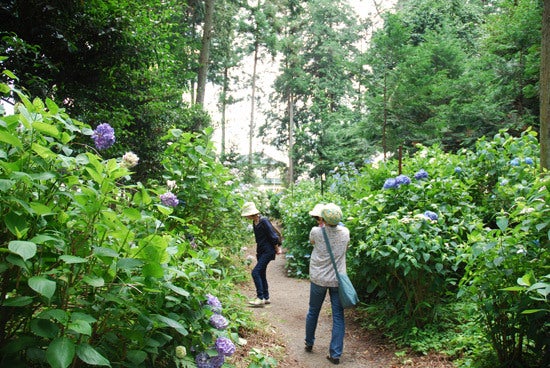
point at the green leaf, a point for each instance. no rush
(18, 301)
(94, 281)
(25, 249)
(6, 185)
(42, 286)
(81, 327)
(90, 356)
(153, 270)
(10, 139)
(136, 357)
(177, 289)
(172, 323)
(502, 223)
(72, 259)
(46, 129)
(60, 353)
(41, 209)
(42, 151)
(44, 328)
(16, 224)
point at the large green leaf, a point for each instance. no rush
(44, 328)
(25, 249)
(10, 139)
(16, 224)
(42, 286)
(18, 301)
(60, 353)
(90, 356)
(172, 323)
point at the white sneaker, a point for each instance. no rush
(257, 302)
(266, 301)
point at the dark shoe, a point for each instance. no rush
(333, 360)
(308, 348)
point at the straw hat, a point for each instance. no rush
(249, 209)
(332, 214)
(316, 211)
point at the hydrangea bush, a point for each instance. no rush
(96, 269)
(447, 238)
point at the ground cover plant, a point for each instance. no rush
(96, 269)
(447, 247)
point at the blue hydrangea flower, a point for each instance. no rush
(103, 136)
(458, 169)
(219, 322)
(390, 183)
(431, 215)
(421, 174)
(217, 361)
(203, 360)
(529, 161)
(224, 346)
(169, 199)
(514, 162)
(214, 303)
(402, 180)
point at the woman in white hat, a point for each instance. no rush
(323, 278)
(266, 240)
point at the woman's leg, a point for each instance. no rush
(316, 297)
(259, 275)
(338, 324)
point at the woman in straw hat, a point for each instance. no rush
(266, 240)
(323, 278)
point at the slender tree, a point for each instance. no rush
(204, 56)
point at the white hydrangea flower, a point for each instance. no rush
(130, 159)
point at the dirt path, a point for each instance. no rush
(285, 318)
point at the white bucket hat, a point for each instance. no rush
(316, 211)
(249, 209)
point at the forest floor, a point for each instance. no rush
(282, 329)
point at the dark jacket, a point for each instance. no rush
(266, 237)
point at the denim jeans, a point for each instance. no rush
(259, 275)
(316, 297)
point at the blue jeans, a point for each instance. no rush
(316, 298)
(259, 275)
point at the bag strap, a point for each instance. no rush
(330, 252)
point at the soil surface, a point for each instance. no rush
(282, 331)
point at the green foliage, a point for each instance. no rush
(427, 277)
(96, 270)
(259, 360)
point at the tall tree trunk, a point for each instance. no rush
(545, 89)
(252, 105)
(290, 139)
(224, 106)
(205, 50)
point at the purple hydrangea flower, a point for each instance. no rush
(390, 183)
(214, 303)
(224, 346)
(169, 199)
(514, 162)
(402, 180)
(529, 161)
(103, 136)
(203, 360)
(217, 361)
(219, 322)
(421, 174)
(431, 215)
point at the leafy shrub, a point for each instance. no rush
(98, 270)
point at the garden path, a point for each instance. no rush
(284, 320)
